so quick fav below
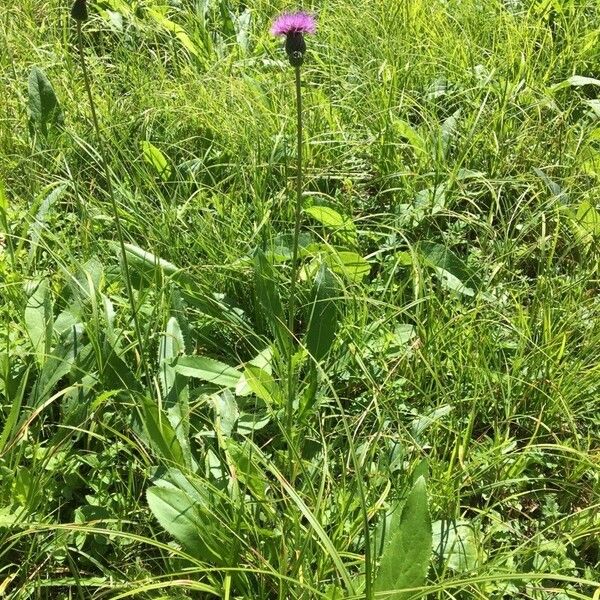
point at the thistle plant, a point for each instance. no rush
(294, 26)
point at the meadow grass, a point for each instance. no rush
(456, 146)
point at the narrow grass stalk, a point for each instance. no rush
(294, 274)
(115, 209)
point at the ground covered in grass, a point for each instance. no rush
(435, 423)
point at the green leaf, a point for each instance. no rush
(588, 217)
(594, 104)
(8, 518)
(263, 360)
(175, 29)
(456, 546)
(421, 423)
(44, 108)
(39, 221)
(402, 129)
(324, 316)
(147, 265)
(208, 369)
(265, 284)
(406, 556)
(263, 385)
(282, 248)
(590, 161)
(153, 156)
(330, 218)
(39, 321)
(226, 412)
(449, 130)
(4, 219)
(455, 274)
(16, 401)
(241, 24)
(138, 256)
(349, 264)
(174, 385)
(557, 191)
(57, 365)
(87, 280)
(248, 469)
(248, 423)
(161, 435)
(180, 516)
(171, 345)
(576, 81)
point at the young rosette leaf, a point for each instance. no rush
(156, 159)
(183, 518)
(38, 320)
(405, 558)
(324, 316)
(269, 300)
(44, 108)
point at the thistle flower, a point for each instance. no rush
(294, 26)
(79, 11)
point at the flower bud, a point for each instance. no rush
(79, 11)
(295, 46)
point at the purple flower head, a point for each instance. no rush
(294, 24)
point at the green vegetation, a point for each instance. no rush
(443, 435)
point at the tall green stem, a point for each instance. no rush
(115, 209)
(294, 275)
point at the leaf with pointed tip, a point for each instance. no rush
(181, 517)
(340, 224)
(160, 434)
(324, 316)
(154, 157)
(39, 321)
(208, 369)
(39, 221)
(174, 385)
(349, 264)
(453, 271)
(405, 558)
(44, 108)
(270, 301)
(456, 545)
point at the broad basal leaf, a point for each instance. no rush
(349, 264)
(340, 224)
(267, 293)
(456, 545)
(38, 320)
(182, 517)
(323, 320)
(208, 369)
(44, 108)
(405, 558)
(453, 271)
(153, 156)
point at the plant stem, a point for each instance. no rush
(115, 209)
(294, 275)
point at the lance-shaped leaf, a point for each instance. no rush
(324, 315)
(406, 556)
(44, 108)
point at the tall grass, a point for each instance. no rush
(449, 233)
